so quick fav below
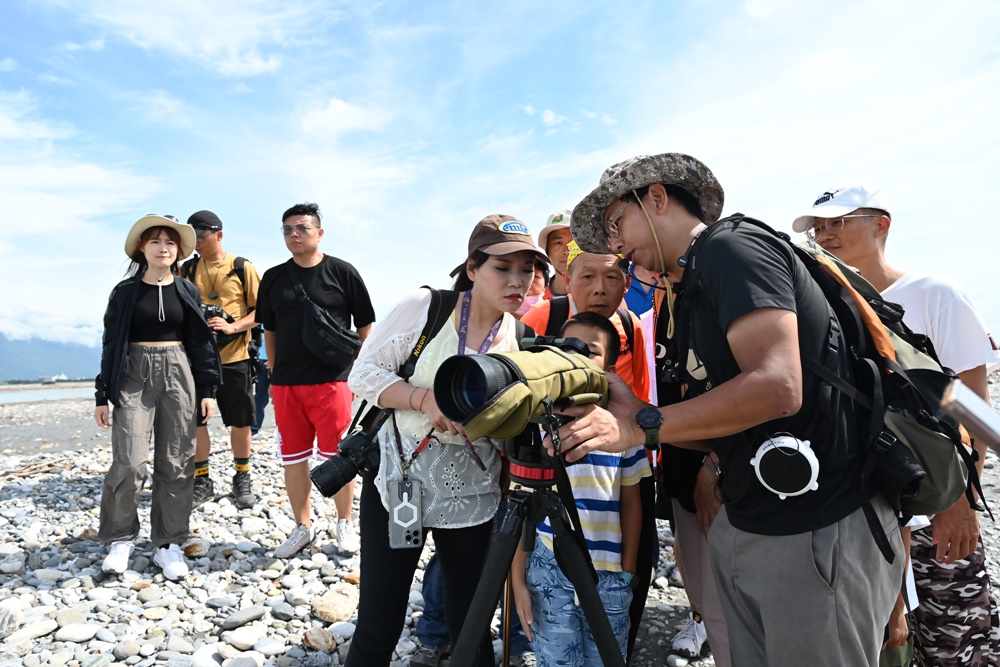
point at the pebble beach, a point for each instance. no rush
(240, 607)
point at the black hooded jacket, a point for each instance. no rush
(199, 343)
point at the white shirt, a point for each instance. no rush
(455, 492)
(939, 308)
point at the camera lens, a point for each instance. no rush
(464, 383)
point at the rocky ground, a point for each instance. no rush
(240, 607)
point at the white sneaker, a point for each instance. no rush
(171, 561)
(300, 538)
(689, 641)
(348, 541)
(116, 561)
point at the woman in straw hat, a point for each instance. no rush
(458, 481)
(159, 364)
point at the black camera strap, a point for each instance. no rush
(443, 302)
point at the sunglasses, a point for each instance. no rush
(286, 230)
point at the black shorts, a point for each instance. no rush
(235, 396)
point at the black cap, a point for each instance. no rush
(205, 220)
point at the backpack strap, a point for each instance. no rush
(189, 268)
(629, 326)
(442, 304)
(558, 314)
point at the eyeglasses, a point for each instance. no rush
(611, 224)
(204, 235)
(832, 226)
(287, 230)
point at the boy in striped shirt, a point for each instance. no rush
(606, 488)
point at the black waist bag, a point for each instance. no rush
(323, 336)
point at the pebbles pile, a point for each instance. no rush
(240, 607)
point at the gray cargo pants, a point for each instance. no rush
(157, 402)
(820, 598)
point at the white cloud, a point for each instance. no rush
(8, 65)
(162, 108)
(606, 119)
(551, 118)
(528, 109)
(339, 117)
(231, 37)
(93, 45)
(62, 219)
(48, 77)
(18, 125)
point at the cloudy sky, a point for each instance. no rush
(409, 121)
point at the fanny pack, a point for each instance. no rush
(334, 345)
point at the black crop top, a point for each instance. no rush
(146, 324)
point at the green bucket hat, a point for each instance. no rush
(684, 171)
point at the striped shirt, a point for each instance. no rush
(597, 480)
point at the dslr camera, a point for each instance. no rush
(221, 340)
(358, 453)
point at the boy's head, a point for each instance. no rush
(599, 335)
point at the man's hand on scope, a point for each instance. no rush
(594, 428)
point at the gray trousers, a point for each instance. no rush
(157, 403)
(699, 581)
(820, 598)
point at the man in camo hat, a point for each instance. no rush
(801, 579)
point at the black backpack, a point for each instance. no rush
(559, 314)
(188, 270)
(915, 455)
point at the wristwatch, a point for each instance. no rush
(649, 420)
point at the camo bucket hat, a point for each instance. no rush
(684, 171)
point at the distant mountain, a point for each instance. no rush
(35, 358)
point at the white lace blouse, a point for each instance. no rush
(455, 493)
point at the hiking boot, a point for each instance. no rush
(204, 490)
(116, 561)
(300, 538)
(689, 641)
(170, 559)
(348, 541)
(430, 656)
(526, 659)
(245, 498)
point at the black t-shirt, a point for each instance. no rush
(737, 268)
(146, 325)
(334, 285)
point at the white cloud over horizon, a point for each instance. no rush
(410, 123)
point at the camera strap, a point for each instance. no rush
(442, 304)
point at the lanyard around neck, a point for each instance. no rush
(463, 326)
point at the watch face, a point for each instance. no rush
(649, 418)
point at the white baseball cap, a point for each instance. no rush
(841, 201)
(558, 220)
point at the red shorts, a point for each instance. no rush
(306, 413)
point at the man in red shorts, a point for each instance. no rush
(311, 399)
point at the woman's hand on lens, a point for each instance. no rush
(207, 408)
(440, 423)
(101, 416)
(610, 430)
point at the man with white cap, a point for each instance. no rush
(801, 578)
(956, 619)
(554, 240)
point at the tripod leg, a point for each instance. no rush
(490, 585)
(508, 609)
(578, 573)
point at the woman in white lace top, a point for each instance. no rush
(458, 480)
